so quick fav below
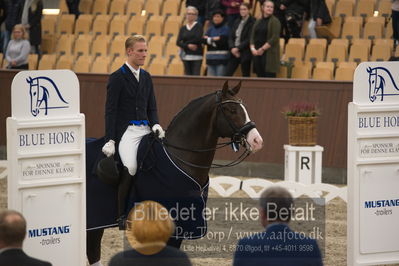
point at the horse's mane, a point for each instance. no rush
(196, 100)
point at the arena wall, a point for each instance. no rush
(264, 98)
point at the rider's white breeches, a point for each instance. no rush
(129, 144)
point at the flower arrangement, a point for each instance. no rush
(301, 109)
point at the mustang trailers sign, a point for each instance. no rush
(46, 158)
(373, 165)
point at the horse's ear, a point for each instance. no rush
(236, 89)
(225, 88)
(369, 70)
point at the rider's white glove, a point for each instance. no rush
(109, 148)
(157, 129)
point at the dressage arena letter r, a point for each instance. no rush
(305, 161)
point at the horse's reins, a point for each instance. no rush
(237, 139)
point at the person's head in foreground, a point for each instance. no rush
(12, 229)
(149, 227)
(274, 202)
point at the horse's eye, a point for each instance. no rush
(34, 94)
(233, 111)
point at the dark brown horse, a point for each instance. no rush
(188, 148)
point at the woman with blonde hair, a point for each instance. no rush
(149, 227)
(18, 49)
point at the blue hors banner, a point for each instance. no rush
(46, 160)
(43, 94)
(373, 165)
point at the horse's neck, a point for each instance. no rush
(193, 129)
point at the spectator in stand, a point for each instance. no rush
(14, 14)
(265, 42)
(240, 35)
(216, 39)
(32, 20)
(12, 235)
(232, 8)
(3, 14)
(190, 42)
(18, 49)
(318, 15)
(294, 12)
(211, 6)
(149, 226)
(73, 7)
(395, 21)
(275, 214)
(200, 5)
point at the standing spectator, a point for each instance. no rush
(239, 38)
(18, 49)
(149, 228)
(395, 21)
(12, 235)
(32, 20)
(294, 12)
(265, 42)
(190, 42)
(73, 7)
(14, 14)
(216, 39)
(3, 14)
(275, 206)
(279, 12)
(232, 8)
(200, 5)
(318, 15)
(211, 6)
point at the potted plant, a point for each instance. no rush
(302, 123)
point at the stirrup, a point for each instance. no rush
(122, 222)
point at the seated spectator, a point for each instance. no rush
(275, 203)
(265, 42)
(239, 38)
(190, 42)
(294, 12)
(149, 227)
(18, 49)
(216, 39)
(12, 235)
(232, 8)
(318, 15)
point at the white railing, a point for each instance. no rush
(253, 187)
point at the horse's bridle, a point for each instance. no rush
(238, 137)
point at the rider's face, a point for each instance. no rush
(137, 53)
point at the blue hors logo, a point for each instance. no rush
(49, 231)
(40, 91)
(378, 76)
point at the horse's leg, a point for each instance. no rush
(173, 242)
(93, 245)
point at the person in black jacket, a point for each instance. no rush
(131, 109)
(190, 42)
(3, 14)
(240, 35)
(318, 15)
(31, 19)
(294, 12)
(14, 15)
(12, 235)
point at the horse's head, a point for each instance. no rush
(376, 83)
(34, 96)
(233, 119)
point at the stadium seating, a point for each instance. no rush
(171, 7)
(66, 24)
(100, 45)
(136, 25)
(83, 45)
(118, 7)
(135, 7)
(117, 47)
(47, 62)
(32, 61)
(100, 7)
(118, 25)
(83, 64)
(64, 62)
(101, 64)
(100, 24)
(83, 24)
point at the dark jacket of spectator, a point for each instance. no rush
(14, 13)
(199, 4)
(35, 29)
(193, 36)
(245, 52)
(17, 257)
(319, 9)
(211, 6)
(3, 11)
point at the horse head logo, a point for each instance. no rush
(378, 76)
(40, 91)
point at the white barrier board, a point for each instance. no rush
(373, 165)
(46, 164)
